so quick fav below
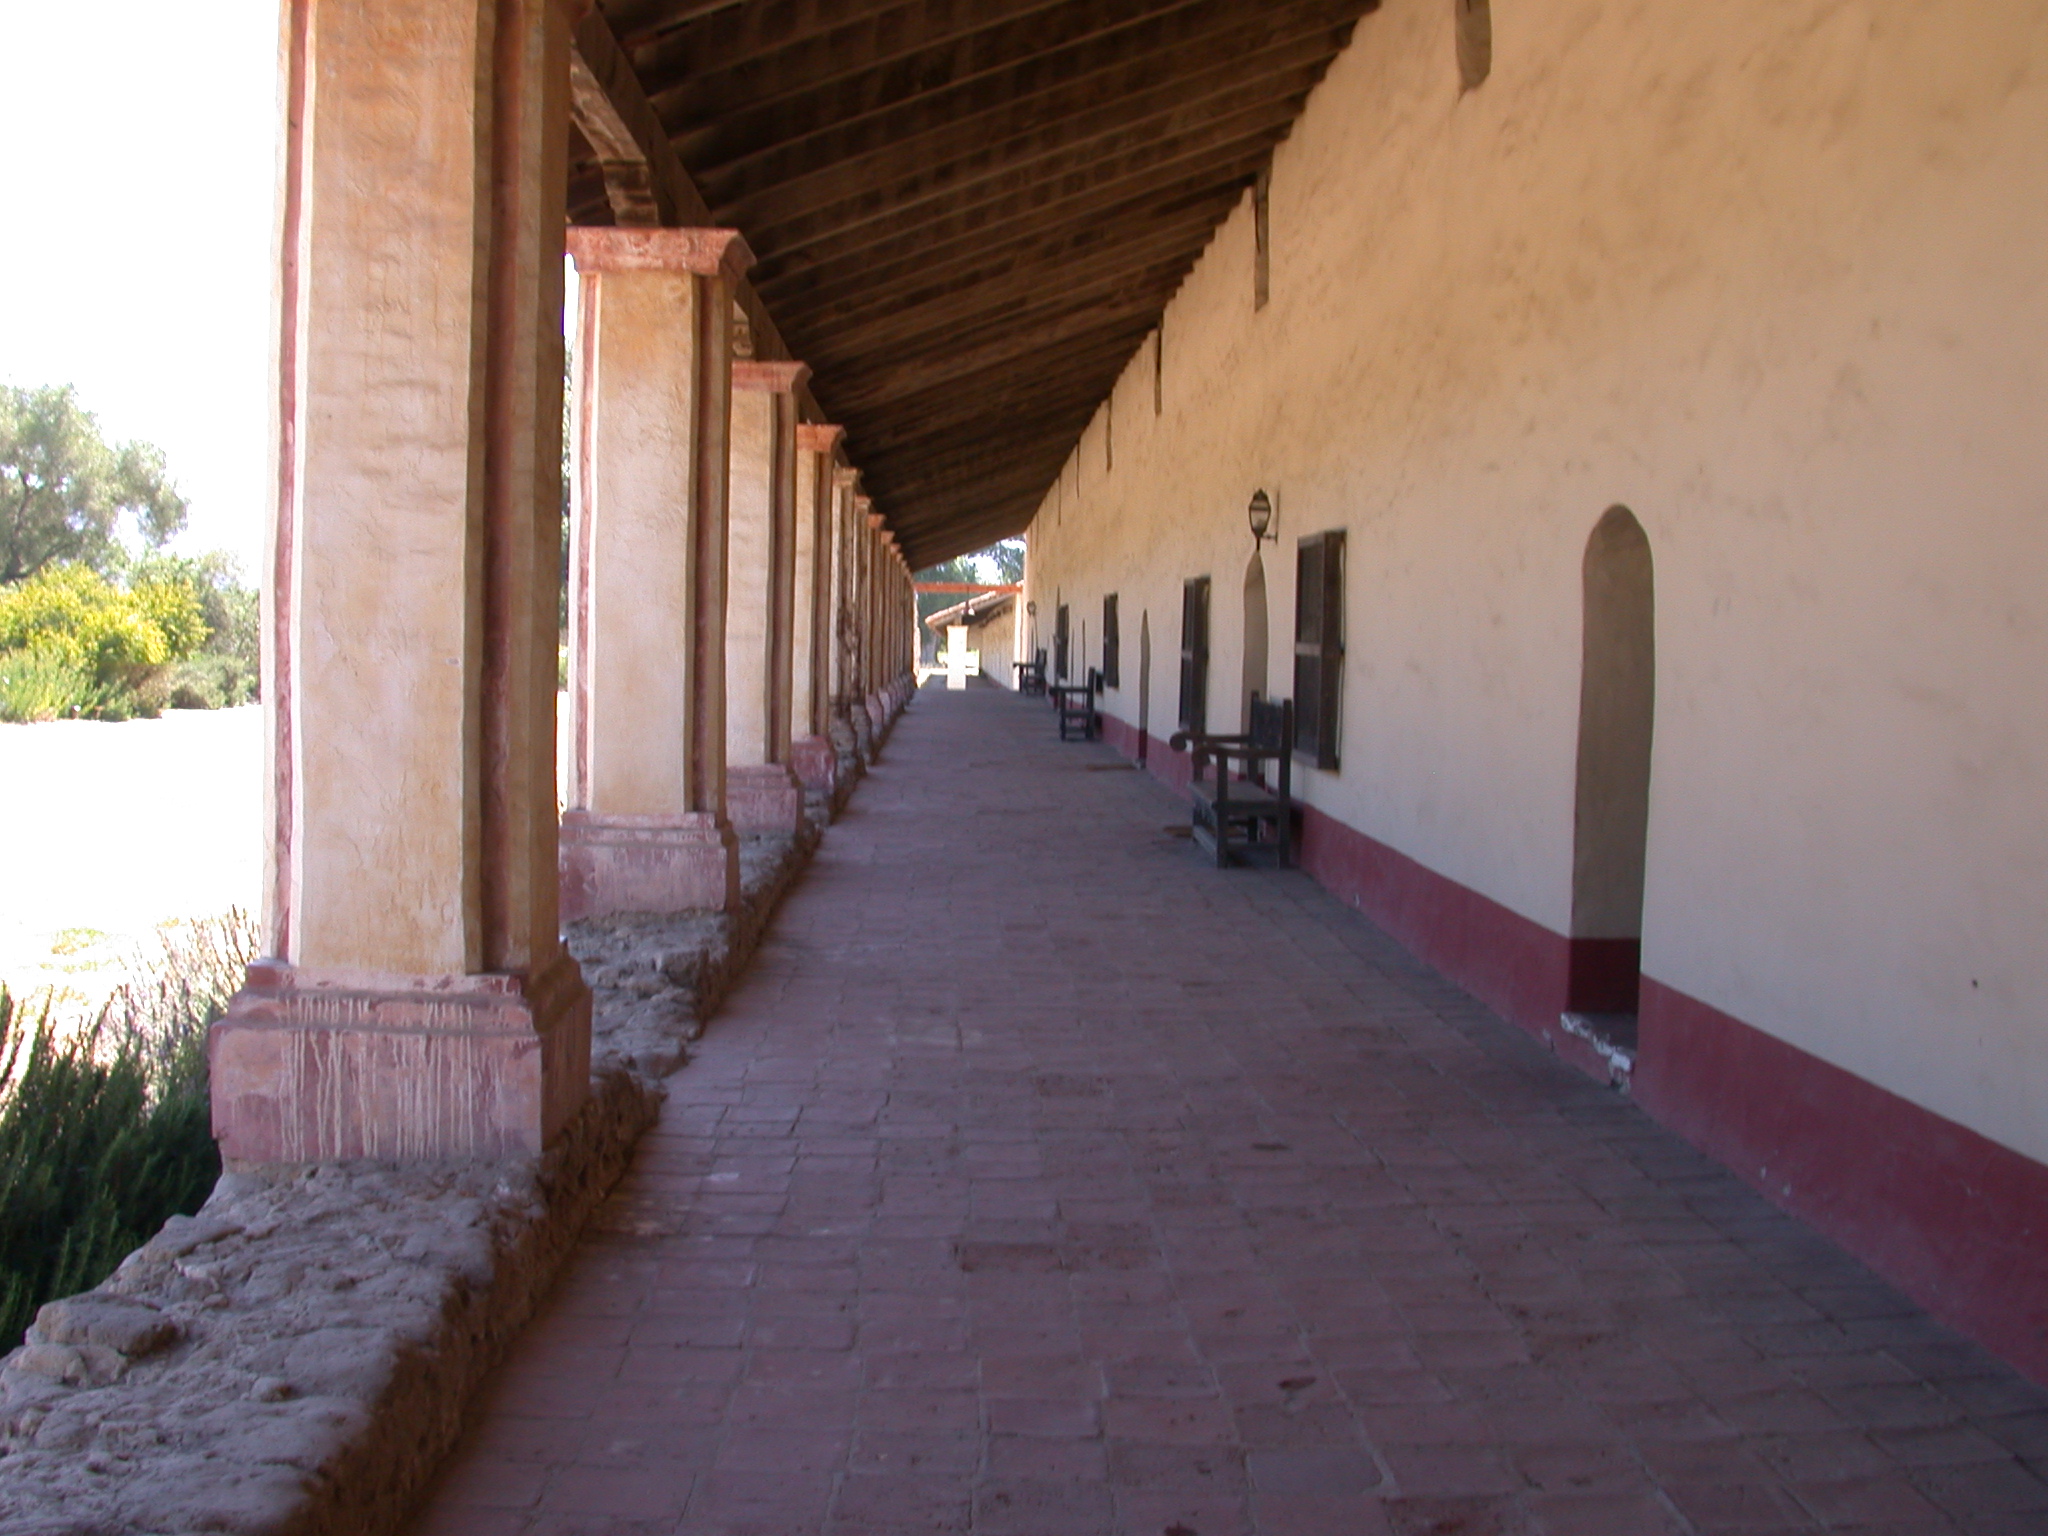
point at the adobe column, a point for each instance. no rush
(762, 793)
(811, 752)
(847, 734)
(415, 1000)
(645, 829)
(871, 648)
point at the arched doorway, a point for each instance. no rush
(1617, 705)
(1255, 633)
(1144, 683)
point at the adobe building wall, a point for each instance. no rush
(995, 640)
(1769, 275)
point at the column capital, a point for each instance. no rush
(613, 248)
(847, 478)
(818, 436)
(874, 518)
(779, 377)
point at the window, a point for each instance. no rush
(1194, 655)
(1059, 644)
(1318, 647)
(1109, 643)
(1475, 41)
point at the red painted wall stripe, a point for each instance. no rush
(1955, 1220)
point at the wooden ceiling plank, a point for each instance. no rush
(1028, 129)
(1068, 39)
(992, 173)
(882, 58)
(1055, 239)
(931, 373)
(1137, 59)
(1040, 242)
(976, 310)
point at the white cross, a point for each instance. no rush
(960, 662)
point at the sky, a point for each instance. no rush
(135, 245)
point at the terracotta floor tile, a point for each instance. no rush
(1040, 1180)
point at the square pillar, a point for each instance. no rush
(415, 1000)
(762, 792)
(812, 754)
(645, 828)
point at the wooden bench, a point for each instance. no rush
(1031, 675)
(1239, 817)
(1076, 705)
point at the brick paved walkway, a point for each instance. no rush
(1043, 1181)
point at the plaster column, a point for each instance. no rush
(811, 751)
(415, 1000)
(763, 793)
(645, 829)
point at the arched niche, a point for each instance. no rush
(1256, 631)
(1617, 708)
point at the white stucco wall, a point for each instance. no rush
(1769, 272)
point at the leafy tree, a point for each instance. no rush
(1007, 560)
(64, 488)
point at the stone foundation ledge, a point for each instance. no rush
(656, 977)
(296, 1359)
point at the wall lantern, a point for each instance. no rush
(1260, 515)
(1031, 609)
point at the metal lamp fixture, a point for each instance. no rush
(1260, 515)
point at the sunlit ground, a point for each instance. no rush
(111, 830)
(108, 832)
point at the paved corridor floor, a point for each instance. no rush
(1043, 1181)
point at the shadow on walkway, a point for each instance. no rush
(1041, 1179)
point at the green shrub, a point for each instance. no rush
(206, 681)
(42, 685)
(69, 611)
(104, 1128)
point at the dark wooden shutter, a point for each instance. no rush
(1110, 642)
(1194, 655)
(1059, 644)
(1318, 647)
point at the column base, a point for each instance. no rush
(815, 762)
(764, 798)
(318, 1066)
(688, 863)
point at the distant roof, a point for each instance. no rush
(976, 610)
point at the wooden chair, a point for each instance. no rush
(1031, 675)
(1236, 819)
(1076, 705)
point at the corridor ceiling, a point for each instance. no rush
(968, 214)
